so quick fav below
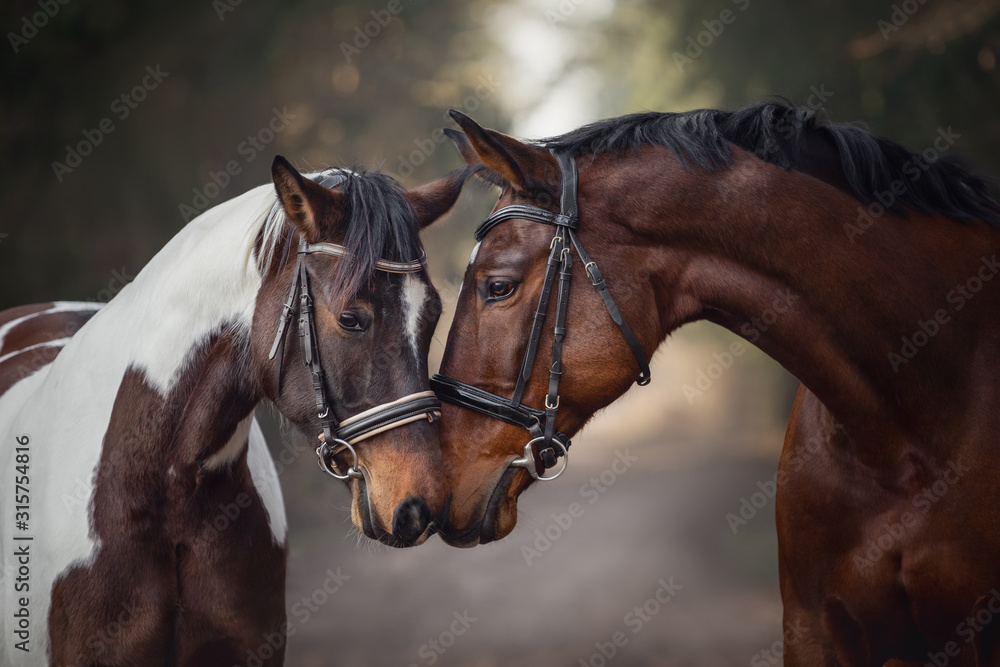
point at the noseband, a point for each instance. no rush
(337, 437)
(541, 424)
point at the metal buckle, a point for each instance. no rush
(321, 452)
(551, 407)
(528, 460)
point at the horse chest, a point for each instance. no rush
(905, 562)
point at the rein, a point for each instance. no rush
(541, 424)
(337, 437)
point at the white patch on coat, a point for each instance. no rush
(57, 343)
(472, 258)
(414, 298)
(57, 307)
(265, 480)
(203, 278)
(233, 447)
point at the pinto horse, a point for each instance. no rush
(128, 430)
(889, 544)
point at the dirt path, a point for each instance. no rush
(663, 520)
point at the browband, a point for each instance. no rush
(525, 212)
(388, 266)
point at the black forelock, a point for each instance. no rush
(381, 224)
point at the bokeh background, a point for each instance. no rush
(230, 68)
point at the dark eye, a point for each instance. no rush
(350, 321)
(498, 289)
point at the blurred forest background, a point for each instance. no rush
(237, 81)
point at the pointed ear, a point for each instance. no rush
(464, 147)
(307, 205)
(436, 198)
(525, 167)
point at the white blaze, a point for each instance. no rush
(472, 258)
(414, 297)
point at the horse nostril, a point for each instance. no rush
(410, 520)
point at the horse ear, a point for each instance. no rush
(524, 167)
(307, 205)
(464, 147)
(436, 198)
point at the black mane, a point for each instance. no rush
(381, 225)
(846, 156)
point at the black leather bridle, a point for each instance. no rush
(541, 424)
(337, 437)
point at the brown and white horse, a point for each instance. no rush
(149, 526)
(889, 480)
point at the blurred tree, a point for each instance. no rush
(353, 83)
(905, 68)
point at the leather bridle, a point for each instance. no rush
(541, 424)
(337, 437)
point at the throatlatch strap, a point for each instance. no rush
(597, 280)
(310, 354)
(287, 312)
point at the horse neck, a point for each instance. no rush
(202, 279)
(169, 354)
(775, 256)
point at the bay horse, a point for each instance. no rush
(882, 261)
(143, 519)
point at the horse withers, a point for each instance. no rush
(128, 430)
(884, 262)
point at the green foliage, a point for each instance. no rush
(903, 74)
(375, 100)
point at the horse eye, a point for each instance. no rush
(350, 321)
(499, 289)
